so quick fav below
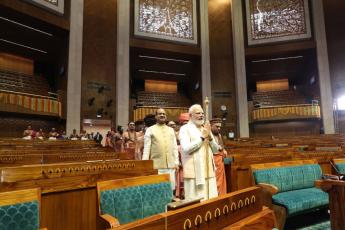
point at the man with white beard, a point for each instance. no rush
(198, 146)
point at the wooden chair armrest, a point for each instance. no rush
(330, 176)
(183, 203)
(272, 189)
(112, 221)
(43, 229)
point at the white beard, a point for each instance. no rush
(198, 122)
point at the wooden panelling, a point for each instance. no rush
(279, 49)
(16, 64)
(99, 58)
(164, 46)
(272, 85)
(161, 86)
(285, 128)
(20, 196)
(70, 210)
(221, 62)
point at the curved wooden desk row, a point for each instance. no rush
(69, 196)
(238, 210)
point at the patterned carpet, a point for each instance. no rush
(326, 225)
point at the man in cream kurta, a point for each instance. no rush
(198, 146)
(160, 146)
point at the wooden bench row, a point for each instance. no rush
(69, 195)
(328, 140)
(240, 166)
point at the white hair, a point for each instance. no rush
(193, 108)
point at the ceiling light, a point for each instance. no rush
(25, 46)
(159, 72)
(277, 59)
(165, 59)
(23, 25)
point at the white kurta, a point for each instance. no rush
(198, 165)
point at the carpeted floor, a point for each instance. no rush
(318, 220)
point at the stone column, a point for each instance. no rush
(240, 68)
(75, 66)
(205, 54)
(122, 67)
(323, 66)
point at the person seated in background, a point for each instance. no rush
(28, 133)
(53, 134)
(98, 138)
(84, 136)
(74, 135)
(62, 136)
(40, 134)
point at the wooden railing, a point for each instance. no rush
(285, 112)
(31, 102)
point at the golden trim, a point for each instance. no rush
(227, 209)
(217, 213)
(252, 199)
(233, 204)
(196, 223)
(189, 224)
(240, 204)
(208, 216)
(246, 201)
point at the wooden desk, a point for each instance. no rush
(69, 197)
(336, 191)
(238, 210)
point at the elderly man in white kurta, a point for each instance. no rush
(160, 146)
(198, 146)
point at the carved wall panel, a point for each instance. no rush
(277, 20)
(174, 20)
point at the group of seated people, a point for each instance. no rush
(30, 134)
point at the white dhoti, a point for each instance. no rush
(207, 190)
(171, 173)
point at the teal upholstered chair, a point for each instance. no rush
(20, 210)
(291, 185)
(126, 200)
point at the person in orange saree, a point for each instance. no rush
(219, 156)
